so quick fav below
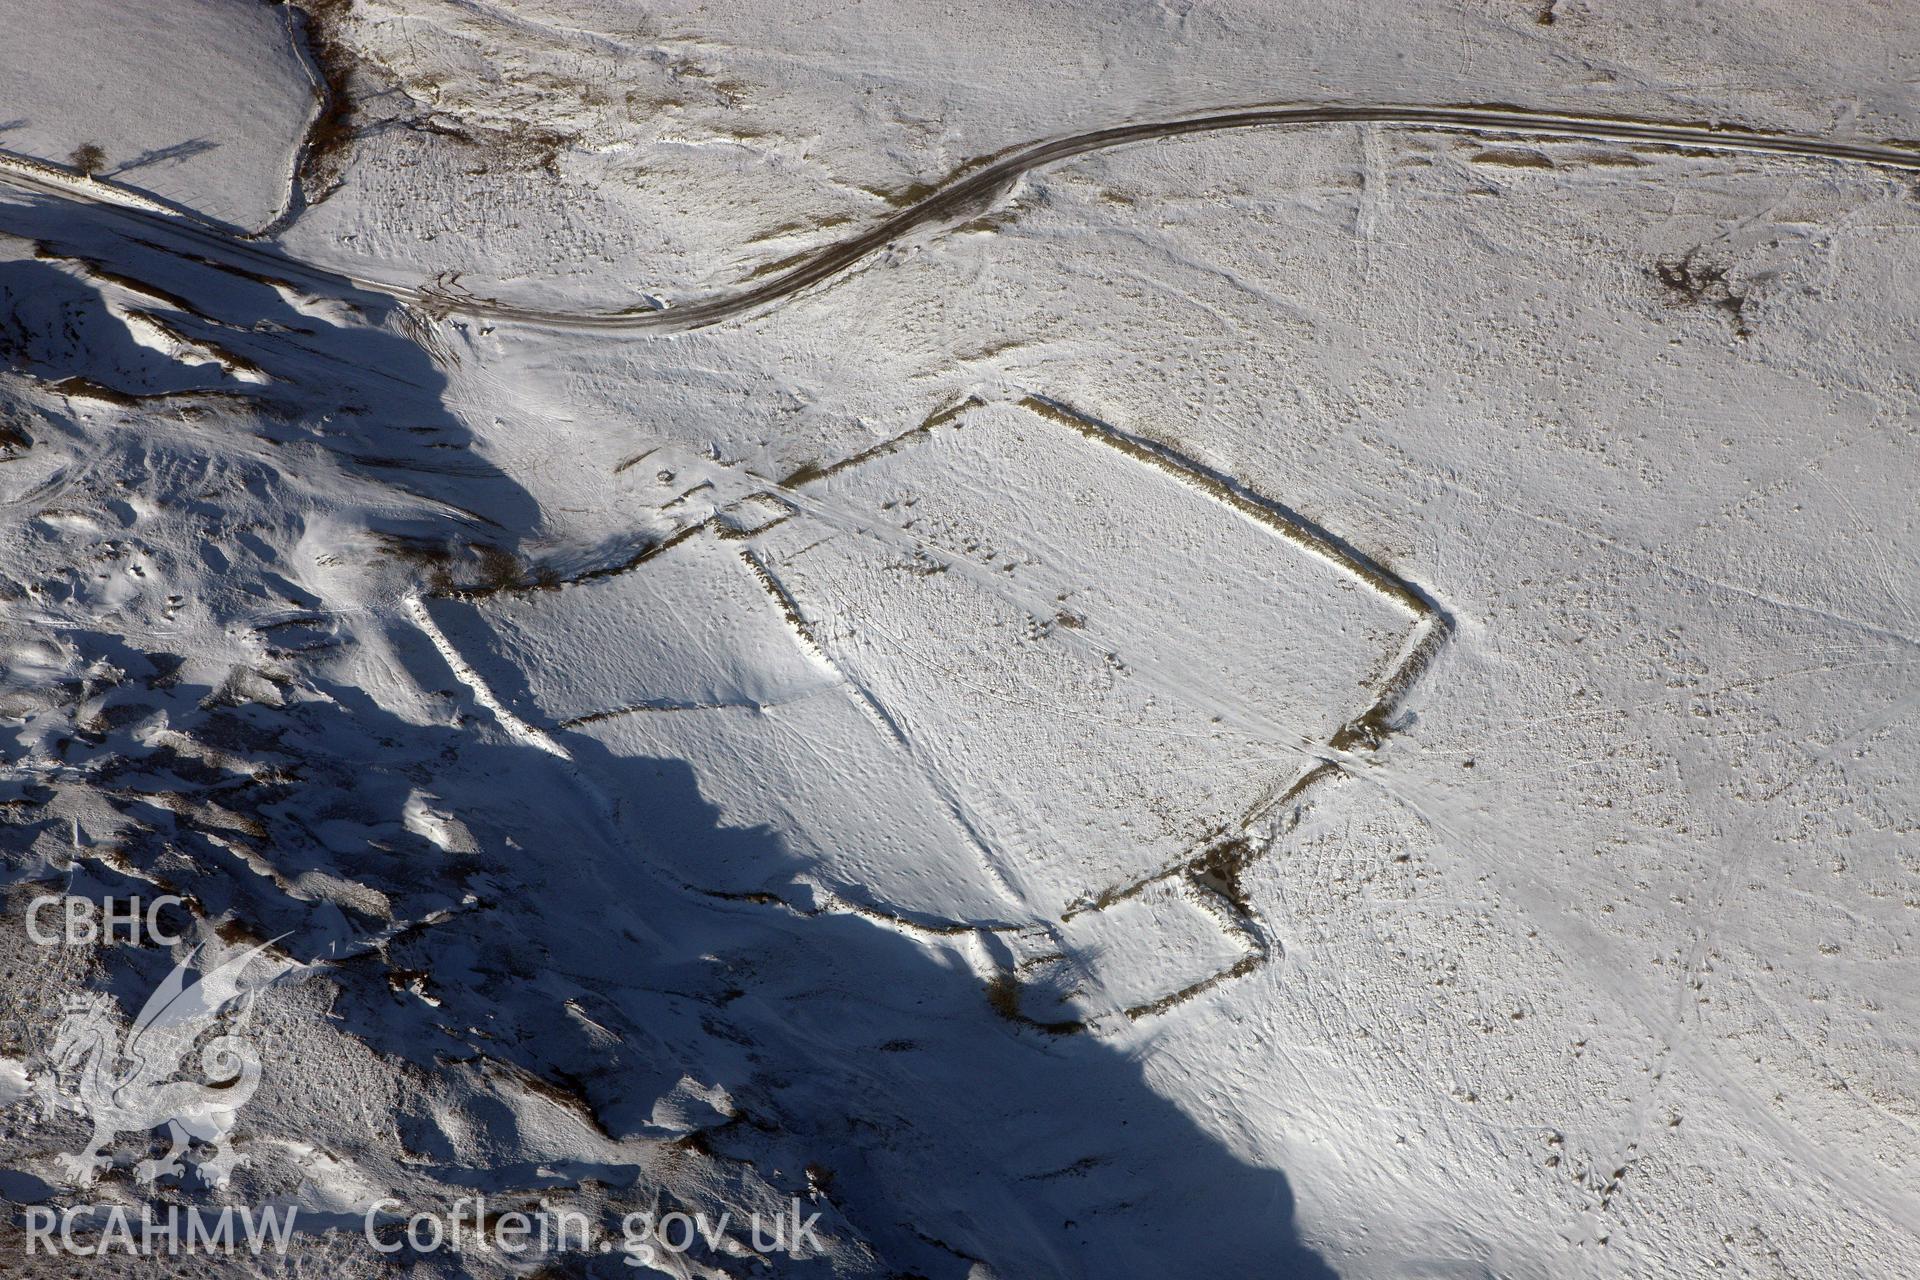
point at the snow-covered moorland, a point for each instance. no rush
(1088, 640)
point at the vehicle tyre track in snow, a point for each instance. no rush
(968, 190)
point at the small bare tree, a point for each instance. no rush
(88, 158)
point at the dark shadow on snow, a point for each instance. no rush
(939, 1132)
(164, 155)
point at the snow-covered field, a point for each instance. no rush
(737, 610)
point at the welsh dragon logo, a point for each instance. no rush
(132, 1087)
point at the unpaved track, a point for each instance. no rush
(966, 194)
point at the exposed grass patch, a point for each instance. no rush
(456, 569)
(1221, 867)
(323, 157)
(1003, 997)
(1512, 158)
(1691, 282)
